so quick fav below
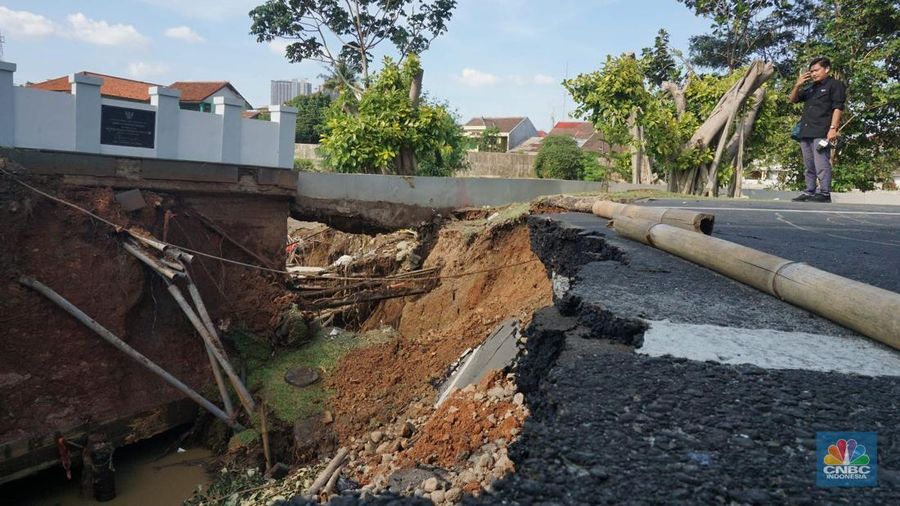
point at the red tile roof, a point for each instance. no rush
(113, 87)
(581, 130)
(198, 91)
(505, 125)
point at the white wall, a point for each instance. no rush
(199, 136)
(44, 119)
(40, 119)
(260, 142)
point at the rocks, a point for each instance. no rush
(430, 485)
(376, 437)
(437, 496)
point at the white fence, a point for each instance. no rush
(85, 122)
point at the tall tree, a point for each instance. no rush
(740, 31)
(330, 31)
(348, 31)
(310, 116)
(659, 65)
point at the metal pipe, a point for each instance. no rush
(128, 350)
(869, 310)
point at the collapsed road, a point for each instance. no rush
(610, 425)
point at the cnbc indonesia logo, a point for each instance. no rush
(847, 461)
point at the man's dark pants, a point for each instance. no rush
(818, 166)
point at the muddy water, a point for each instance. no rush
(145, 475)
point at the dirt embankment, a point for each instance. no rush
(55, 373)
(488, 274)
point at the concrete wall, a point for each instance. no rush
(509, 165)
(432, 192)
(39, 119)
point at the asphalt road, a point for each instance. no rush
(859, 242)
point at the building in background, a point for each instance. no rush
(510, 131)
(282, 91)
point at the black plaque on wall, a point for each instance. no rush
(122, 126)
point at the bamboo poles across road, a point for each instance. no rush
(869, 310)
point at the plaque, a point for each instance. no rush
(123, 126)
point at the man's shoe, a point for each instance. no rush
(803, 197)
(821, 197)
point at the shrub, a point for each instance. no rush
(560, 158)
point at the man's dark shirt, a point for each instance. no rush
(819, 101)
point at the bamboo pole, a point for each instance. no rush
(871, 311)
(213, 345)
(128, 350)
(324, 476)
(207, 321)
(681, 218)
(243, 394)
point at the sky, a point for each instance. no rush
(498, 57)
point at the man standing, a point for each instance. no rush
(823, 104)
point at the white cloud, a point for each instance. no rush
(476, 78)
(543, 80)
(279, 46)
(215, 10)
(184, 33)
(102, 33)
(143, 70)
(24, 23)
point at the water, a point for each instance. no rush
(145, 475)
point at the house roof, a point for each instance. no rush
(581, 130)
(198, 91)
(112, 87)
(505, 125)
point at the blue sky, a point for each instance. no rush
(499, 57)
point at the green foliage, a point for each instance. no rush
(490, 141)
(561, 158)
(303, 165)
(313, 25)
(659, 66)
(310, 116)
(367, 134)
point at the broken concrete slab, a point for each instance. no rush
(131, 200)
(498, 351)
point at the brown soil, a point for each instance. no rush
(375, 385)
(54, 372)
(464, 423)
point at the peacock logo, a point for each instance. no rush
(846, 452)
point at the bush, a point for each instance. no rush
(303, 165)
(560, 158)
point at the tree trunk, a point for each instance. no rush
(677, 95)
(406, 159)
(636, 149)
(718, 123)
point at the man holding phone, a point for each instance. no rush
(823, 104)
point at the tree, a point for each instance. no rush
(340, 77)
(490, 141)
(310, 116)
(334, 31)
(740, 31)
(383, 123)
(347, 32)
(659, 65)
(561, 158)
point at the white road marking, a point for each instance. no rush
(813, 211)
(782, 219)
(770, 349)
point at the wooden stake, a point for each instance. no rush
(264, 430)
(324, 476)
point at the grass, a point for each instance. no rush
(266, 371)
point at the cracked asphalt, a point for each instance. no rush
(610, 426)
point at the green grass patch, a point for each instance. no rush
(266, 370)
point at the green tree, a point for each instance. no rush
(383, 123)
(561, 158)
(490, 141)
(310, 116)
(659, 65)
(334, 31)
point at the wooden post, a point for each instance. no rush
(871, 311)
(128, 350)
